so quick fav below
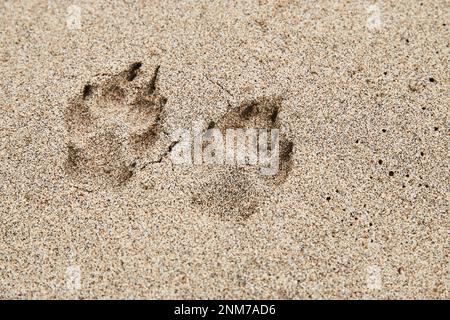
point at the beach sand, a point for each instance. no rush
(93, 207)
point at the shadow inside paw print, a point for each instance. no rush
(111, 124)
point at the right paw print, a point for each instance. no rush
(111, 125)
(232, 193)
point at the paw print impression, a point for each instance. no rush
(237, 193)
(113, 124)
(262, 113)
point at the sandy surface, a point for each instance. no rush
(91, 206)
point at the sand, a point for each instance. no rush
(93, 207)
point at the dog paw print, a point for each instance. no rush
(262, 113)
(233, 194)
(111, 125)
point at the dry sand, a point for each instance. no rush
(92, 207)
